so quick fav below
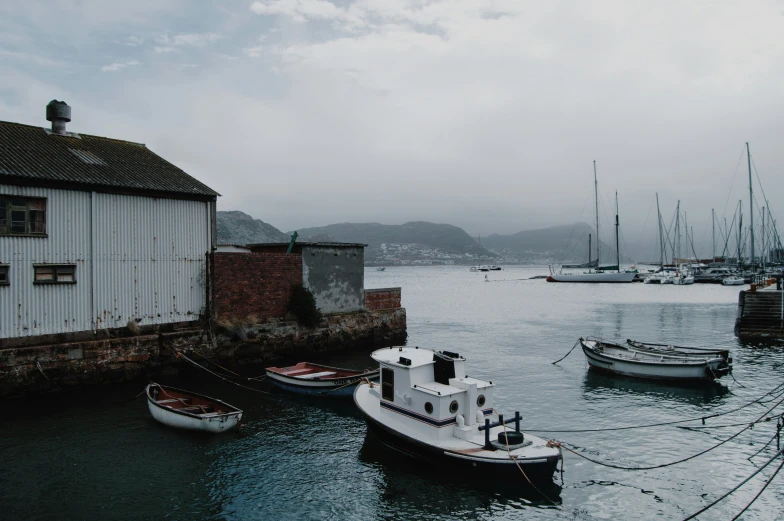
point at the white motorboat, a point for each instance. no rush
(617, 359)
(427, 408)
(683, 279)
(187, 410)
(733, 280)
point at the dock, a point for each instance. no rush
(760, 312)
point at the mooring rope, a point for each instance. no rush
(509, 452)
(672, 422)
(778, 453)
(652, 467)
(222, 377)
(567, 354)
(249, 378)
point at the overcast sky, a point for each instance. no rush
(483, 114)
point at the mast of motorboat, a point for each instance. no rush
(617, 242)
(751, 206)
(713, 234)
(661, 237)
(596, 202)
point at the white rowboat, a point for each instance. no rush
(186, 410)
(614, 358)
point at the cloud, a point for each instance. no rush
(189, 39)
(117, 66)
(133, 41)
(299, 10)
(254, 52)
(165, 49)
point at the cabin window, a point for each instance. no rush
(480, 400)
(55, 274)
(4, 275)
(22, 215)
(388, 384)
(454, 406)
(428, 407)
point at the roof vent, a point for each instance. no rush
(59, 113)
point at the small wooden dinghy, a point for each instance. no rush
(187, 410)
(615, 358)
(680, 350)
(307, 378)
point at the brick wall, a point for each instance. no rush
(254, 284)
(383, 298)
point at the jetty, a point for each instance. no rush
(761, 311)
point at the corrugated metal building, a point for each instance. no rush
(96, 232)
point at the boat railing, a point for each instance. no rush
(488, 425)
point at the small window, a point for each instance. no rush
(454, 406)
(55, 274)
(428, 407)
(388, 384)
(22, 215)
(480, 400)
(4, 275)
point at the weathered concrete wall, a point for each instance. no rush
(759, 314)
(254, 285)
(336, 276)
(53, 366)
(382, 298)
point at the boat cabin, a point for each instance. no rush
(422, 388)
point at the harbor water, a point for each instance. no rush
(95, 453)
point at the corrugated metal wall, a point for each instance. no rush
(149, 258)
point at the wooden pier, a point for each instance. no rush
(760, 313)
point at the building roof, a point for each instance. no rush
(35, 156)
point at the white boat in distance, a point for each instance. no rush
(617, 359)
(733, 280)
(427, 408)
(594, 276)
(191, 411)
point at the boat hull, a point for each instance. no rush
(315, 388)
(691, 372)
(213, 423)
(474, 467)
(592, 277)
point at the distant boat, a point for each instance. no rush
(733, 280)
(600, 275)
(473, 268)
(186, 410)
(617, 359)
(380, 269)
(314, 379)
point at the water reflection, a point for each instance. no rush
(697, 393)
(448, 494)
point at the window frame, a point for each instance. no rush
(34, 208)
(5, 271)
(388, 384)
(60, 273)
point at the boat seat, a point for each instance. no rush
(171, 400)
(323, 374)
(295, 372)
(197, 410)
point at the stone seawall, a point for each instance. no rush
(36, 368)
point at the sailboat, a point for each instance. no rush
(607, 274)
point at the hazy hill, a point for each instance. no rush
(567, 243)
(240, 228)
(404, 242)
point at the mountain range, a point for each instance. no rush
(420, 242)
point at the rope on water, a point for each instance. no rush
(778, 453)
(567, 354)
(770, 479)
(739, 424)
(734, 380)
(513, 458)
(673, 422)
(131, 399)
(652, 467)
(222, 377)
(252, 378)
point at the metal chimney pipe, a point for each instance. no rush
(59, 113)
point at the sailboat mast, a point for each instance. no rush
(589, 252)
(677, 233)
(751, 206)
(763, 240)
(617, 247)
(713, 233)
(596, 203)
(661, 238)
(740, 229)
